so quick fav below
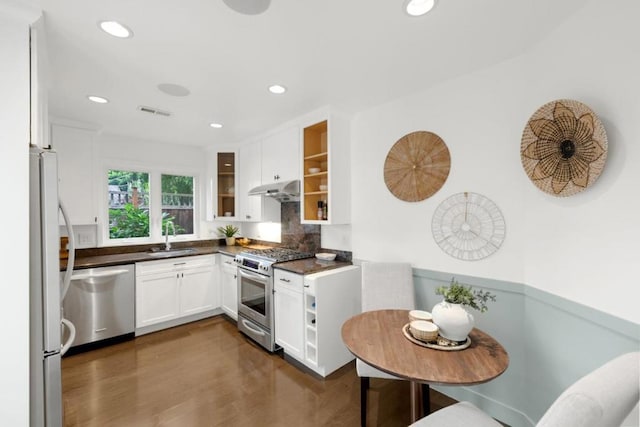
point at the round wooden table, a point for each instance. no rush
(376, 337)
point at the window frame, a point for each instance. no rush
(155, 204)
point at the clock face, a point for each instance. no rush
(468, 226)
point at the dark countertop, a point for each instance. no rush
(110, 256)
(107, 260)
(310, 265)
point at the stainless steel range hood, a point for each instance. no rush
(285, 191)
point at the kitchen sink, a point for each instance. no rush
(171, 252)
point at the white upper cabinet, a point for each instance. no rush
(76, 172)
(248, 178)
(280, 156)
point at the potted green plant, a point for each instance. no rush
(229, 231)
(451, 316)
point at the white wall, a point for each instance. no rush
(113, 151)
(14, 152)
(584, 247)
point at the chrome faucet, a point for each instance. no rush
(167, 245)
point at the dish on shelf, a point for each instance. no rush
(314, 170)
(324, 256)
(323, 187)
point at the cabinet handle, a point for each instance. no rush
(248, 216)
(306, 286)
(235, 276)
(276, 177)
(285, 280)
(179, 263)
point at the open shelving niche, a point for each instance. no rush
(316, 155)
(311, 334)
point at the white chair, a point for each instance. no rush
(602, 398)
(384, 286)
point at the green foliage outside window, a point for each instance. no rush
(134, 222)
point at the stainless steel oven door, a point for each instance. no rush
(255, 292)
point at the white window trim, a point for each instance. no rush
(155, 204)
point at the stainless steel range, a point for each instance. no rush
(255, 291)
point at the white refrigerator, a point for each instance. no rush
(46, 292)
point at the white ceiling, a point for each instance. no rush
(351, 54)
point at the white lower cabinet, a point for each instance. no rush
(310, 311)
(170, 289)
(156, 298)
(229, 286)
(288, 310)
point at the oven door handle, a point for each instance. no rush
(252, 329)
(254, 276)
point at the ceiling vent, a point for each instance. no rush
(155, 111)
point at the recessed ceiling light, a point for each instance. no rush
(173, 89)
(418, 7)
(97, 99)
(115, 29)
(215, 125)
(277, 89)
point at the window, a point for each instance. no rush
(128, 204)
(142, 205)
(177, 203)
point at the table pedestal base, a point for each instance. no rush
(420, 400)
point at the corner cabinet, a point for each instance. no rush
(326, 182)
(170, 290)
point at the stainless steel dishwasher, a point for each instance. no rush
(100, 303)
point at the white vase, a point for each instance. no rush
(231, 241)
(453, 320)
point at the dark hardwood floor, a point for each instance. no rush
(208, 374)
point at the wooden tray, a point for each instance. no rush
(407, 334)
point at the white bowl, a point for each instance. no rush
(324, 256)
(323, 187)
(314, 170)
(420, 315)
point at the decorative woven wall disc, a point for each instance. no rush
(564, 147)
(468, 226)
(417, 166)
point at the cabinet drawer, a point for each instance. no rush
(161, 266)
(288, 280)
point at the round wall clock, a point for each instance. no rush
(417, 166)
(563, 148)
(468, 226)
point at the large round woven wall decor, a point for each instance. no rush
(564, 147)
(417, 166)
(468, 226)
